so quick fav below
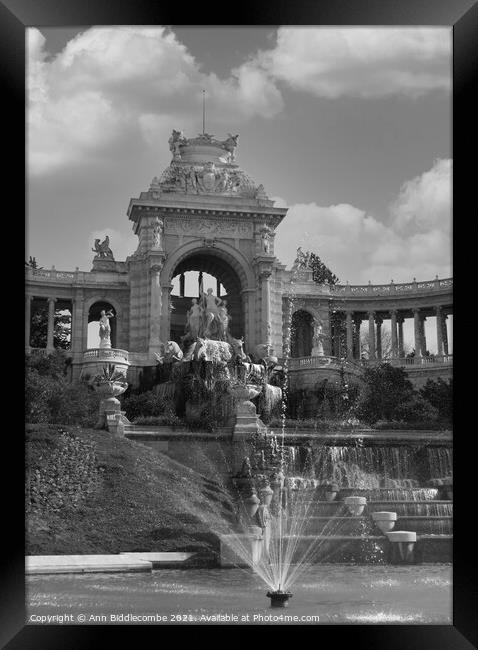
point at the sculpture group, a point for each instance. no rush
(208, 317)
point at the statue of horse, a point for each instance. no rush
(171, 352)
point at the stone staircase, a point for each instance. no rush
(341, 537)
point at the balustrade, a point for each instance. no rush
(111, 353)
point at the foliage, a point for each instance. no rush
(145, 404)
(64, 478)
(61, 328)
(386, 339)
(439, 394)
(50, 397)
(320, 272)
(416, 409)
(54, 365)
(385, 389)
(124, 513)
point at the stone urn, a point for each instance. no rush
(266, 494)
(331, 490)
(251, 503)
(355, 505)
(245, 410)
(385, 521)
(402, 546)
(110, 408)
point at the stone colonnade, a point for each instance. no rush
(353, 322)
(51, 301)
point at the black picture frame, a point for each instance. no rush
(462, 15)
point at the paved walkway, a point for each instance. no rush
(123, 562)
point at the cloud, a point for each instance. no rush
(358, 248)
(424, 202)
(110, 85)
(360, 61)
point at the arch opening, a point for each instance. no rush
(208, 270)
(94, 315)
(302, 332)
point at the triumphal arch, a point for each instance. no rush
(205, 214)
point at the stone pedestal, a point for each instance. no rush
(105, 370)
(243, 549)
(246, 422)
(110, 415)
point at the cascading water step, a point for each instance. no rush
(414, 508)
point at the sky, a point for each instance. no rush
(348, 127)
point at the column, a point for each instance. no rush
(51, 325)
(379, 321)
(357, 324)
(423, 338)
(350, 339)
(266, 306)
(218, 288)
(28, 320)
(445, 334)
(393, 325)
(401, 350)
(78, 342)
(155, 310)
(165, 320)
(439, 325)
(371, 335)
(417, 333)
(181, 285)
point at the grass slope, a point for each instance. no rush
(144, 502)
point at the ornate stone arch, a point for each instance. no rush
(235, 258)
(238, 263)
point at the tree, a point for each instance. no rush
(385, 389)
(61, 328)
(439, 394)
(320, 272)
(386, 338)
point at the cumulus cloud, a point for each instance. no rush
(360, 61)
(424, 202)
(110, 84)
(358, 248)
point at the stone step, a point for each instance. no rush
(426, 525)
(44, 564)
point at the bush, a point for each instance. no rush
(440, 395)
(167, 420)
(416, 409)
(385, 389)
(145, 405)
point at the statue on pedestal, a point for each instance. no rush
(210, 304)
(317, 340)
(194, 319)
(223, 320)
(266, 240)
(177, 138)
(105, 328)
(158, 229)
(103, 249)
